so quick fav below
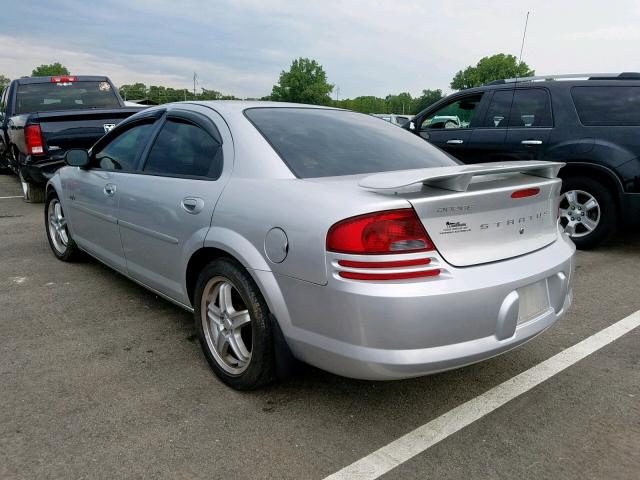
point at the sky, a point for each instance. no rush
(366, 47)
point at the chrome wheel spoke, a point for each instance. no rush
(589, 224)
(224, 298)
(570, 229)
(238, 348)
(239, 319)
(590, 204)
(571, 197)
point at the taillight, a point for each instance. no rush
(62, 79)
(394, 231)
(33, 139)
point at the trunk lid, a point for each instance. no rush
(468, 210)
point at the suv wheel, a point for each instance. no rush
(234, 326)
(32, 193)
(587, 211)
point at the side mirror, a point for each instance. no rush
(77, 157)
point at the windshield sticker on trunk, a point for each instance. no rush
(104, 86)
(455, 227)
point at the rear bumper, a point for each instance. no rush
(406, 329)
(40, 170)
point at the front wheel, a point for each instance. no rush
(60, 240)
(234, 326)
(587, 211)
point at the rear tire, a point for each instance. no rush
(31, 193)
(58, 235)
(234, 325)
(588, 211)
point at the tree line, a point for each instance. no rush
(306, 82)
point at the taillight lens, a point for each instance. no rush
(33, 139)
(526, 192)
(394, 231)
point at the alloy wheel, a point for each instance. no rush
(58, 226)
(226, 324)
(579, 213)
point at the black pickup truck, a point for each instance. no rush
(42, 117)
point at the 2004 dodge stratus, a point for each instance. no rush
(319, 234)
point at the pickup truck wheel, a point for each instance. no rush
(587, 211)
(60, 240)
(32, 193)
(234, 325)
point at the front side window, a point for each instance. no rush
(318, 142)
(458, 114)
(184, 149)
(122, 151)
(607, 106)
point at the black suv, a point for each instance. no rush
(591, 122)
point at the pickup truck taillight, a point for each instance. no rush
(33, 140)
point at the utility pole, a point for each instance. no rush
(195, 77)
(185, 94)
(337, 93)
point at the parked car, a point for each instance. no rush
(591, 122)
(319, 233)
(42, 117)
(393, 118)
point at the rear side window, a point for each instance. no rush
(184, 149)
(607, 106)
(123, 150)
(519, 108)
(317, 142)
(42, 97)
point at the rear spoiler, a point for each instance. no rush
(457, 177)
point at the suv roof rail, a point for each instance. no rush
(571, 76)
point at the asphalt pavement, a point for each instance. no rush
(102, 379)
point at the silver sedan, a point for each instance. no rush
(311, 233)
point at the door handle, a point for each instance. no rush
(455, 141)
(109, 189)
(192, 205)
(531, 142)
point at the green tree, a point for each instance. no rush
(4, 81)
(489, 69)
(305, 82)
(49, 70)
(133, 92)
(428, 97)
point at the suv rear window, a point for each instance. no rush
(42, 97)
(317, 142)
(607, 106)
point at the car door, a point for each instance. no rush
(166, 210)
(487, 140)
(93, 193)
(449, 127)
(530, 124)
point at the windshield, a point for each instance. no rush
(42, 97)
(324, 143)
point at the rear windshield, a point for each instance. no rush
(326, 143)
(607, 106)
(42, 97)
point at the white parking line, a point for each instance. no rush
(404, 448)
(14, 196)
